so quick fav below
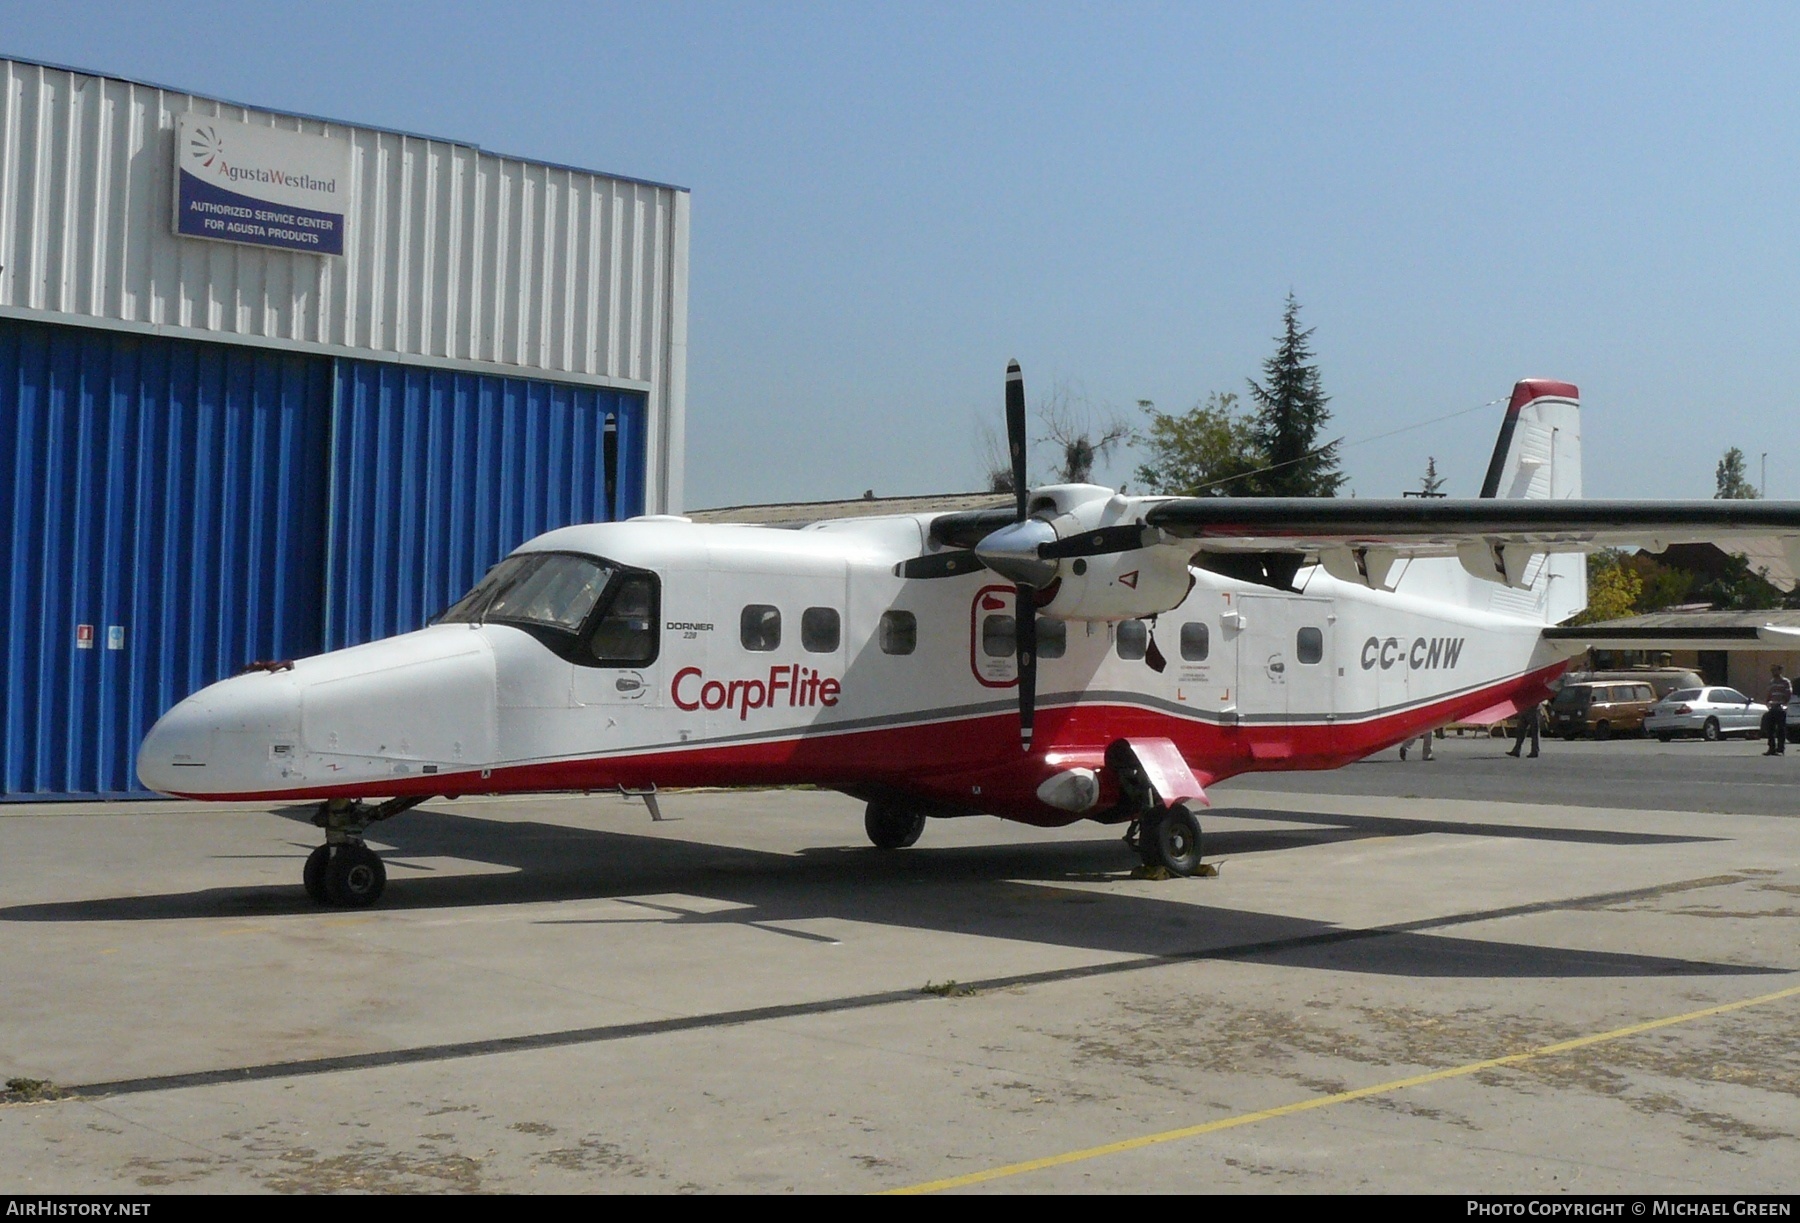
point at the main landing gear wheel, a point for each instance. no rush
(314, 874)
(354, 877)
(1171, 839)
(892, 826)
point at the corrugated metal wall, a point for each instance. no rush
(454, 255)
(436, 475)
(217, 504)
(171, 496)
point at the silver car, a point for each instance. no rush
(1711, 713)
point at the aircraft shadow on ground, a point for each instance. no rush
(1014, 891)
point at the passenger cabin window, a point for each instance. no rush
(819, 630)
(1729, 695)
(1309, 645)
(998, 636)
(1132, 638)
(1053, 638)
(899, 632)
(1194, 642)
(625, 632)
(759, 627)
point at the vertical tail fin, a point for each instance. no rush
(1538, 453)
(1538, 457)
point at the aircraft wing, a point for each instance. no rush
(1437, 526)
(1359, 539)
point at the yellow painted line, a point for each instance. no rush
(1342, 1097)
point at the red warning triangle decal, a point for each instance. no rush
(1129, 579)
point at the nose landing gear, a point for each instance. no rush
(349, 875)
(1170, 839)
(344, 871)
(1164, 832)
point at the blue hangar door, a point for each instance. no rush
(437, 475)
(174, 509)
(165, 510)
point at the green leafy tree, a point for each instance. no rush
(1739, 588)
(1206, 451)
(1613, 588)
(1733, 484)
(1290, 412)
(1663, 585)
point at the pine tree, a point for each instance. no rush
(1733, 484)
(1290, 412)
(1433, 484)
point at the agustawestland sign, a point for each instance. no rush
(238, 182)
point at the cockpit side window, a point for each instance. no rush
(624, 634)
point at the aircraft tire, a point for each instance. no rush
(892, 826)
(355, 877)
(1174, 841)
(314, 874)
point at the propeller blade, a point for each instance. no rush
(939, 565)
(1025, 607)
(1101, 541)
(1015, 435)
(966, 528)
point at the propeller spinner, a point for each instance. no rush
(1022, 549)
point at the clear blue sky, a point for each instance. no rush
(891, 200)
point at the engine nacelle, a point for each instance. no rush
(1121, 586)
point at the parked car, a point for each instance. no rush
(1600, 710)
(1710, 713)
(1662, 680)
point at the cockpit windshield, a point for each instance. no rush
(553, 589)
(590, 611)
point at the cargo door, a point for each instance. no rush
(1286, 658)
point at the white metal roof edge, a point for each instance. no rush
(367, 127)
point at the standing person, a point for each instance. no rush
(1528, 725)
(1425, 739)
(1780, 693)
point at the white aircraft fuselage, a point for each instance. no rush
(1079, 655)
(860, 680)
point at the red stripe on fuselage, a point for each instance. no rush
(974, 763)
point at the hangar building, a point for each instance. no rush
(272, 384)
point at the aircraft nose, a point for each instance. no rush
(191, 749)
(175, 751)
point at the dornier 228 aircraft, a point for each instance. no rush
(1077, 655)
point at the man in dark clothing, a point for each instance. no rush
(1780, 693)
(1528, 725)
